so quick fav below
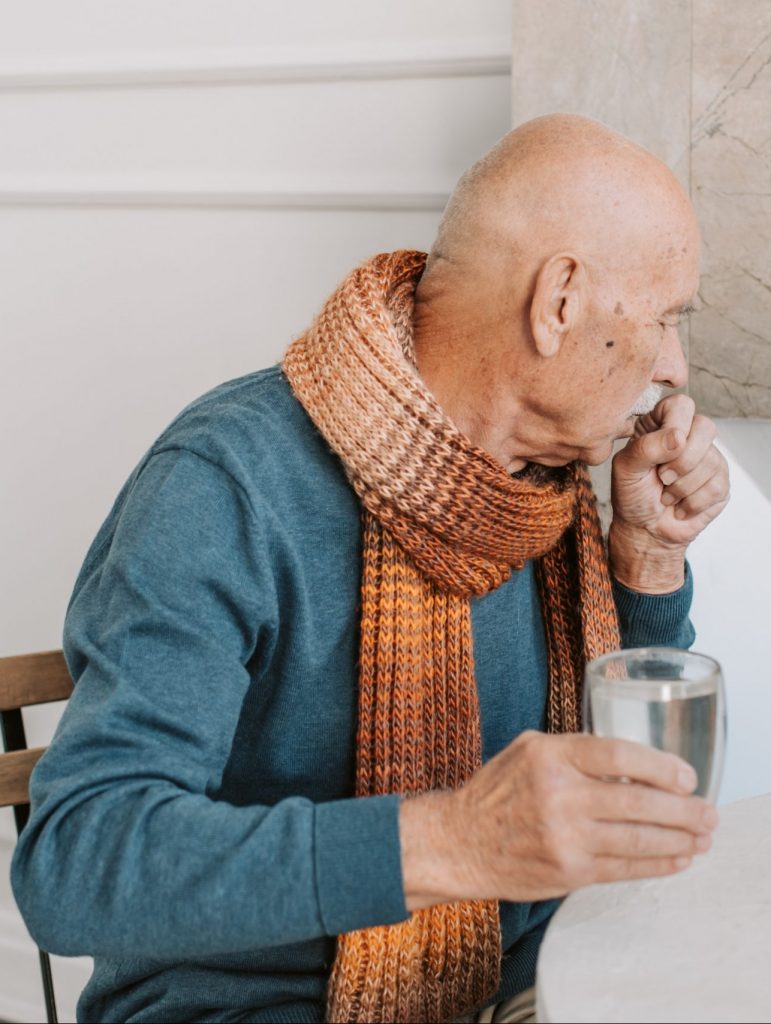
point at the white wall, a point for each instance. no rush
(181, 184)
(731, 611)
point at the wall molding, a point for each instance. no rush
(219, 193)
(477, 58)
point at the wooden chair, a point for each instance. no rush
(25, 680)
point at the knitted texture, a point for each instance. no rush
(442, 522)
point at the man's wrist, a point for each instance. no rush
(429, 850)
(641, 563)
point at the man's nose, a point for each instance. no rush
(671, 368)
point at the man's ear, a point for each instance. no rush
(556, 303)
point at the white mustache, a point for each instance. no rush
(648, 400)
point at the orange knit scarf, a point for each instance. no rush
(442, 522)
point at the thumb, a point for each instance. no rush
(645, 452)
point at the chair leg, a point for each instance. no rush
(12, 733)
(48, 987)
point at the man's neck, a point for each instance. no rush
(463, 396)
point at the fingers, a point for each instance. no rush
(675, 412)
(647, 450)
(620, 802)
(660, 435)
(618, 869)
(679, 445)
(602, 758)
(697, 447)
(545, 823)
(696, 490)
(711, 498)
(679, 483)
(646, 841)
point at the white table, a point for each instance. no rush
(691, 947)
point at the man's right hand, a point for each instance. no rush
(545, 817)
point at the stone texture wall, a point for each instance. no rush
(731, 188)
(691, 81)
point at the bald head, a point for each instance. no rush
(562, 182)
(561, 265)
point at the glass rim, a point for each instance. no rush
(706, 660)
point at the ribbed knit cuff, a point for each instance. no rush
(655, 620)
(358, 863)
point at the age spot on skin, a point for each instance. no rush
(619, 310)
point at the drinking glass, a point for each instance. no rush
(666, 697)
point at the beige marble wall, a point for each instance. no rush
(731, 188)
(625, 62)
(691, 80)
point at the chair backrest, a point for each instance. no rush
(27, 679)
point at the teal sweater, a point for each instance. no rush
(193, 827)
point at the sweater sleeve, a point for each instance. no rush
(128, 850)
(655, 620)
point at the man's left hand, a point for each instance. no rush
(668, 483)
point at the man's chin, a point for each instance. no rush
(601, 453)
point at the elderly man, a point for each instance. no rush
(325, 638)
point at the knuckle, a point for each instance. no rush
(705, 426)
(715, 458)
(616, 758)
(690, 461)
(671, 766)
(678, 489)
(547, 787)
(635, 841)
(684, 464)
(626, 840)
(684, 405)
(635, 801)
(532, 747)
(715, 488)
(544, 767)
(528, 738)
(689, 507)
(700, 814)
(697, 844)
(681, 843)
(623, 870)
(675, 864)
(570, 863)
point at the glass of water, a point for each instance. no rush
(665, 697)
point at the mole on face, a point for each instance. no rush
(609, 344)
(619, 309)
